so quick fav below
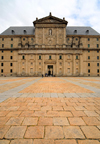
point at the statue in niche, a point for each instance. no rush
(50, 31)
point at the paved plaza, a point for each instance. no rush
(50, 110)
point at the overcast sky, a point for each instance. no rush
(24, 12)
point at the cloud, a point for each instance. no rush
(24, 12)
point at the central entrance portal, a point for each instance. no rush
(50, 70)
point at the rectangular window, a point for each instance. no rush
(31, 38)
(88, 39)
(88, 51)
(88, 57)
(97, 57)
(2, 57)
(2, 39)
(60, 57)
(1, 70)
(11, 39)
(11, 64)
(49, 57)
(76, 57)
(39, 57)
(88, 64)
(88, 70)
(23, 57)
(11, 70)
(1, 64)
(2, 51)
(97, 64)
(97, 45)
(97, 51)
(11, 45)
(11, 51)
(97, 70)
(88, 45)
(11, 57)
(23, 39)
(97, 39)
(2, 45)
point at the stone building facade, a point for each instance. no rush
(50, 47)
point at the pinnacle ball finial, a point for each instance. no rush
(50, 14)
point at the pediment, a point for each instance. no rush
(50, 20)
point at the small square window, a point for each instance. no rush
(2, 45)
(97, 64)
(11, 39)
(2, 39)
(11, 45)
(88, 39)
(1, 64)
(39, 57)
(88, 57)
(76, 57)
(97, 51)
(88, 45)
(97, 70)
(97, 45)
(97, 57)
(1, 70)
(88, 64)
(88, 70)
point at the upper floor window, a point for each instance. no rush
(97, 51)
(88, 51)
(12, 31)
(88, 57)
(11, 51)
(2, 51)
(25, 31)
(88, 64)
(2, 39)
(97, 70)
(88, 70)
(1, 70)
(11, 57)
(88, 39)
(23, 39)
(97, 57)
(97, 45)
(23, 57)
(11, 64)
(50, 31)
(2, 57)
(88, 45)
(60, 57)
(97, 39)
(11, 39)
(2, 45)
(11, 45)
(1, 64)
(97, 64)
(31, 38)
(39, 57)
(50, 57)
(76, 57)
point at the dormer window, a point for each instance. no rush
(87, 31)
(25, 31)
(75, 31)
(12, 31)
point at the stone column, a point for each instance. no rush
(26, 63)
(64, 67)
(73, 65)
(43, 65)
(36, 64)
(19, 64)
(81, 66)
(57, 64)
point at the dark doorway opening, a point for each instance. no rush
(50, 70)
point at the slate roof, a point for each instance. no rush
(70, 30)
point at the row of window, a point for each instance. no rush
(12, 39)
(3, 51)
(10, 70)
(87, 39)
(89, 70)
(3, 45)
(2, 64)
(97, 57)
(2, 57)
(89, 45)
(89, 51)
(89, 64)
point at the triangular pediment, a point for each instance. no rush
(50, 19)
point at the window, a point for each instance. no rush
(76, 57)
(11, 64)
(88, 45)
(2, 51)
(97, 39)
(11, 51)
(68, 39)
(24, 31)
(49, 57)
(97, 51)
(39, 63)
(11, 57)
(23, 39)
(11, 70)
(88, 57)
(1, 70)
(2, 57)
(88, 51)
(39, 57)
(97, 70)
(23, 57)
(11, 45)
(97, 57)
(31, 63)
(11, 39)
(1, 64)
(88, 70)
(76, 39)
(75, 31)
(87, 31)
(88, 64)
(31, 38)
(2, 45)
(50, 31)
(12, 31)
(97, 64)
(60, 57)
(97, 45)
(2, 39)
(88, 39)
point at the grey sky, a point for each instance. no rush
(24, 12)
